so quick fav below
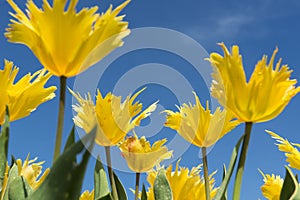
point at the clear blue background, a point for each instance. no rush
(256, 26)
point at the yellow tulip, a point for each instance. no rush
(86, 195)
(24, 96)
(291, 152)
(272, 186)
(65, 41)
(113, 118)
(198, 125)
(29, 170)
(185, 184)
(141, 156)
(263, 97)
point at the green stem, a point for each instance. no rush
(61, 114)
(137, 184)
(206, 178)
(241, 165)
(110, 172)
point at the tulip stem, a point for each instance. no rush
(241, 164)
(61, 115)
(206, 178)
(110, 172)
(137, 184)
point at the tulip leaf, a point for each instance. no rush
(4, 146)
(71, 139)
(66, 176)
(290, 187)
(144, 193)
(162, 189)
(107, 197)
(222, 190)
(12, 174)
(224, 197)
(120, 188)
(100, 181)
(19, 189)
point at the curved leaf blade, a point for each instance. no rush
(222, 190)
(4, 137)
(290, 187)
(162, 189)
(66, 176)
(101, 186)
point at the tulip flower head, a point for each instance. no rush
(86, 195)
(140, 155)
(185, 184)
(67, 42)
(198, 125)
(24, 96)
(263, 97)
(112, 117)
(29, 170)
(272, 186)
(291, 152)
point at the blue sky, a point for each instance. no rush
(256, 26)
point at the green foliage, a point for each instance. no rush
(17, 188)
(120, 188)
(224, 197)
(71, 139)
(100, 182)
(144, 193)
(162, 189)
(4, 146)
(66, 176)
(223, 188)
(290, 188)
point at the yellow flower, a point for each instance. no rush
(65, 41)
(260, 99)
(113, 118)
(24, 96)
(87, 195)
(31, 171)
(198, 126)
(141, 156)
(185, 184)
(292, 154)
(272, 187)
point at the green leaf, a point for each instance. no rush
(19, 189)
(4, 146)
(65, 178)
(12, 174)
(224, 197)
(71, 139)
(101, 185)
(107, 197)
(290, 187)
(222, 190)
(162, 189)
(144, 193)
(120, 188)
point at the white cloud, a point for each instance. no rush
(225, 27)
(240, 21)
